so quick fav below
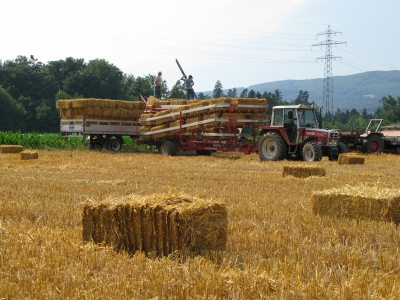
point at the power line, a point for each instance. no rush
(327, 101)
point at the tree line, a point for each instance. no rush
(29, 90)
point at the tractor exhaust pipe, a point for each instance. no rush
(320, 118)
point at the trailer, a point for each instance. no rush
(214, 132)
(225, 124)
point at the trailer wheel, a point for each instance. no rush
(342, 148)
(312, 152)
(168, 148)
(373, 144)
(114, 145)
(272, 147)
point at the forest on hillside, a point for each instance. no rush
(29, 90)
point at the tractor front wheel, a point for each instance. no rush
(272, 147)
(312, 152)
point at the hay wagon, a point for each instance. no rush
(222, 124)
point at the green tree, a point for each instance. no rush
(218, 90)
(63, 69)
(302, 98)
(178, 90)
(232, 93)
(11, 113)
(390, 110)
(251, 94)
(243, 94)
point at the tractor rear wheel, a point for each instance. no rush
(373, 144)
(168, 148)
(272, 147)
(312, 152)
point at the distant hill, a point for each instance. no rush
(359, 91)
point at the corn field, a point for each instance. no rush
(276, 247)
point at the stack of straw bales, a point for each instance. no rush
(199, 115)
(28, 154)
(158, 224)
(303, 171)
(350, 159)
(102, 109)
(11, 148)
(359, 202)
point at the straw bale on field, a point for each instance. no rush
(358, 202)
(350, 159)
(11, 148)
(303, 171)
(28, 154)
(159, 224)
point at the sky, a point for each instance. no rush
(240, 43)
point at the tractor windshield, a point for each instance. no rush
(307, 118)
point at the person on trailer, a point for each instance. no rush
(189, 87)
(157, 85)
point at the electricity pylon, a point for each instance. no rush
(327, 101)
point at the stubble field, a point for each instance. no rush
(277, 248)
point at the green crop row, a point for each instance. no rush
(54, 141)
(41, 141)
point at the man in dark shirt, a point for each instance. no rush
(189, 87)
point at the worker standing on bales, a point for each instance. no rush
(189, 87)
(157, 86)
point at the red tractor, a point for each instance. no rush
(369, 141)
(294, 133)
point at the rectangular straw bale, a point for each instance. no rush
(160, 134)
(63, 104)
(29, 154)
(151, 100)
(177, 101)
(303, 171)
(159, 127)
(77, 113)
(359, 202)
(257, 116)
(65, 114)
(212, 116)
(158, 103)
(163, 112)
(246, 101)
(157, 224)
(199, 104)
(180, 108)
(11, 148)
(222, 100)
(163, 120)
(147, 115)
(350, 159)
(194, 119)
(235, 116)
(177, 123)
(145, 128)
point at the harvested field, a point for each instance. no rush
(276, 247)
